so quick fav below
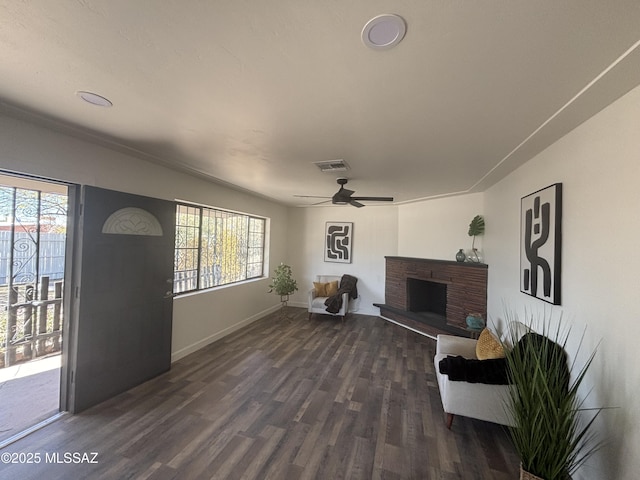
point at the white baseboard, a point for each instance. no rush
(298, 304)
(194, 347)
(374, 311)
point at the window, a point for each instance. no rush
(216, 247)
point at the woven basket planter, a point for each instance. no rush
(524, 475)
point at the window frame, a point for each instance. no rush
(196, 226)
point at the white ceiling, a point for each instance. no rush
(250, 93)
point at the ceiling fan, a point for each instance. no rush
(345, 196)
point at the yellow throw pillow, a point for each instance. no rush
(321, 289)
(325, 289)
(488, 346)
(332, 288)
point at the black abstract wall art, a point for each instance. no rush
(338, 242)
(540, 244)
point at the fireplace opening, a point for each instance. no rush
(426, 297)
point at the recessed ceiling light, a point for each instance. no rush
(94, 99)
(384, 31)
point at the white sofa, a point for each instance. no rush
(316, 304)
(475, 400)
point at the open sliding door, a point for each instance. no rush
(122, 301)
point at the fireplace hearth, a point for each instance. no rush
(434, 296)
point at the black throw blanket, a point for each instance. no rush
(347, 285)
(460, 369)
(495, 371)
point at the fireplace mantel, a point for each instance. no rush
(466, 292)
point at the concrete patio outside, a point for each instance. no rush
(29, 394)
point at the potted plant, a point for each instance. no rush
(549, 432)
(476, 227)
(283, 283)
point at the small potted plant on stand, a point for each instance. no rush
(548, 432)
(283, 284)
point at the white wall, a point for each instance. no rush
(599, 166)
(438, 228)
(199, 318)
(374, 237)
(430, 229)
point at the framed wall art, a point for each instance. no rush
(540, 244)
(338, 242)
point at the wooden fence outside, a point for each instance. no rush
(31, 322)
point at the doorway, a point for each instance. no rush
(33, 234)
(122, 302)
(109, 283)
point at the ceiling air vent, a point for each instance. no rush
(332, 166)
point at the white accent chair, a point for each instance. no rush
(475, 400)
(316, 304)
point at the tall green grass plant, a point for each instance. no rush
(553, 430)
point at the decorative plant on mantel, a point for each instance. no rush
(283, 283)
(549, 433)
(476, 227)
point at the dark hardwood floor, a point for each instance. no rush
(280, 399)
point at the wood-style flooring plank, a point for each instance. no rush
(281, 399)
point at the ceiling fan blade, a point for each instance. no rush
(345, 196)
(342, 196)
(373, 199)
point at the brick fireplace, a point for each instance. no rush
(434, 296)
